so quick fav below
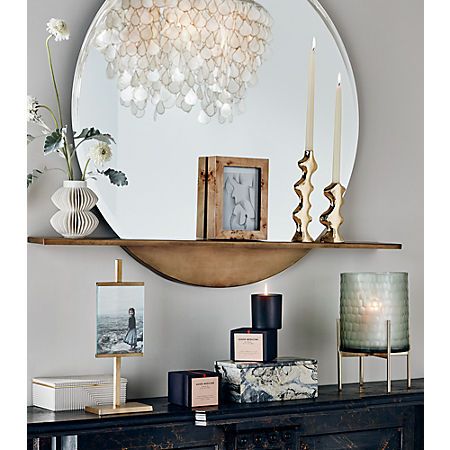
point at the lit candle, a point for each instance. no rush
(310, 105)
(371, 314)
(266, 311)
(337, 133)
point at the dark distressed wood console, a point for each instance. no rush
(369, 419)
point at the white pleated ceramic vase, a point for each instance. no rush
(74, 219)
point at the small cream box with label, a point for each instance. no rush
(194, 388)
(248, 344)
(71, 393)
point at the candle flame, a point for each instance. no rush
(314, 43)
(374, 306)
(265, 289)
(339, 78)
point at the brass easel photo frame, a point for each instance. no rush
(131, 339)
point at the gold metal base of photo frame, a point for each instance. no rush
(361, 355)
(116, 407)
(127, 408)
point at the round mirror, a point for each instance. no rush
(160, 157)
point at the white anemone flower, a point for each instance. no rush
(100, 153)
(32, 110)
(59, 29)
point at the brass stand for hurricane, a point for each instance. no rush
(387, 355)
(332, 218)
(117, 407)
(303, 188)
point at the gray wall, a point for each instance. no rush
(188, 327)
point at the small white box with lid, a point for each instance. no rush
(76, 392)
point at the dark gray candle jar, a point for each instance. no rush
(267, 311)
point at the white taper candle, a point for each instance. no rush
(310, 104)
(337, 134)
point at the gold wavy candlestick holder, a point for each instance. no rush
(332, 219)
(303, 188)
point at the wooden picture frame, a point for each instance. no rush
(232, 200)
(138, 307)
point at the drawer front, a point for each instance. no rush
(211, 447)
(291, 439)
(384, 439)
(378, 428)
(186, 437)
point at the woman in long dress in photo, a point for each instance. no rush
(131, 336)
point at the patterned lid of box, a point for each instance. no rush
(280, 361)
(77, 380)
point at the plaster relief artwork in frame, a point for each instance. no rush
(240, 198)
(232, 198)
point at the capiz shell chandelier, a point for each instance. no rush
(184, 53)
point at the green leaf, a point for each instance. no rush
(33, 175)
(115, 176)
(30, 138)
(53, 142)
(92, 133)
(82, 135)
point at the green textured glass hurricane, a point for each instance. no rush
(368, 300)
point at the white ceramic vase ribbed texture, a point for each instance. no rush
(74, 218)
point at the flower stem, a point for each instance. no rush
(51, 113)
(79, 143)
(67, 158)
(50, 63)
(66, 151)
(83, 177)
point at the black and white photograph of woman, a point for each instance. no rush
(120, 319)
(131, 336)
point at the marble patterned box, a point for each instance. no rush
(287, 378)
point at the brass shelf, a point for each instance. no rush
(214, 263)
(211, 243)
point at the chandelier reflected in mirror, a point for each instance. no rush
(193, 54)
